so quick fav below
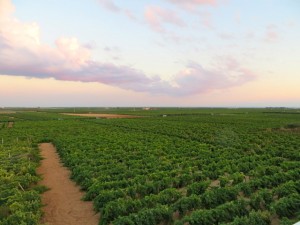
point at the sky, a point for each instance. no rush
(193, 53)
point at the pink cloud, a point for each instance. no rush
(250, 35)
(237, 17)
(6, 8)
(22, 53)
(206, 19)
(109, 5)
(226, 36)
(156, 17)
(73, 51)
(291, 24)
(194, 2)
(271, 36)
(129, 14)
(271, 33)
(191, 5)
(271, 26)
(194, 79)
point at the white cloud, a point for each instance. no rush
(22, 53)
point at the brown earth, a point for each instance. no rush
(275, 220)
(215, 183)
(10, 124)
(112, 116)
(6, 112)
(63, 204)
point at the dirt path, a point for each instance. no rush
(63, 205)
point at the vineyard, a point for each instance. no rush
(168, 166)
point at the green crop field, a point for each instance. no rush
(170, 166)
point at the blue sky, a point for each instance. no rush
(169, 52)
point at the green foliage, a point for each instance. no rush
(19, 202)
(261, 200)
(255, 217)
(197, 188)
(196, 166)
(288, 206)
(218, 196)
(286, 189)
(186, 204)
(151, 216)
(223, 213)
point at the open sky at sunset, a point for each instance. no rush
(235, 53)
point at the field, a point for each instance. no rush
(160, 166)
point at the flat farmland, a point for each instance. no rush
(171, 166)
(100, 115)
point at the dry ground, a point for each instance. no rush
(6, 112)
(63, 205)
(10, 124)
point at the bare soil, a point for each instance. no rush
(10, 124)
(6, 112)
(108, 116)
(275, 220)
(215, 183)
(62, 203)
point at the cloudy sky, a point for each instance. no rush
(235, 53)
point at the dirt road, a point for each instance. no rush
(63, 205)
